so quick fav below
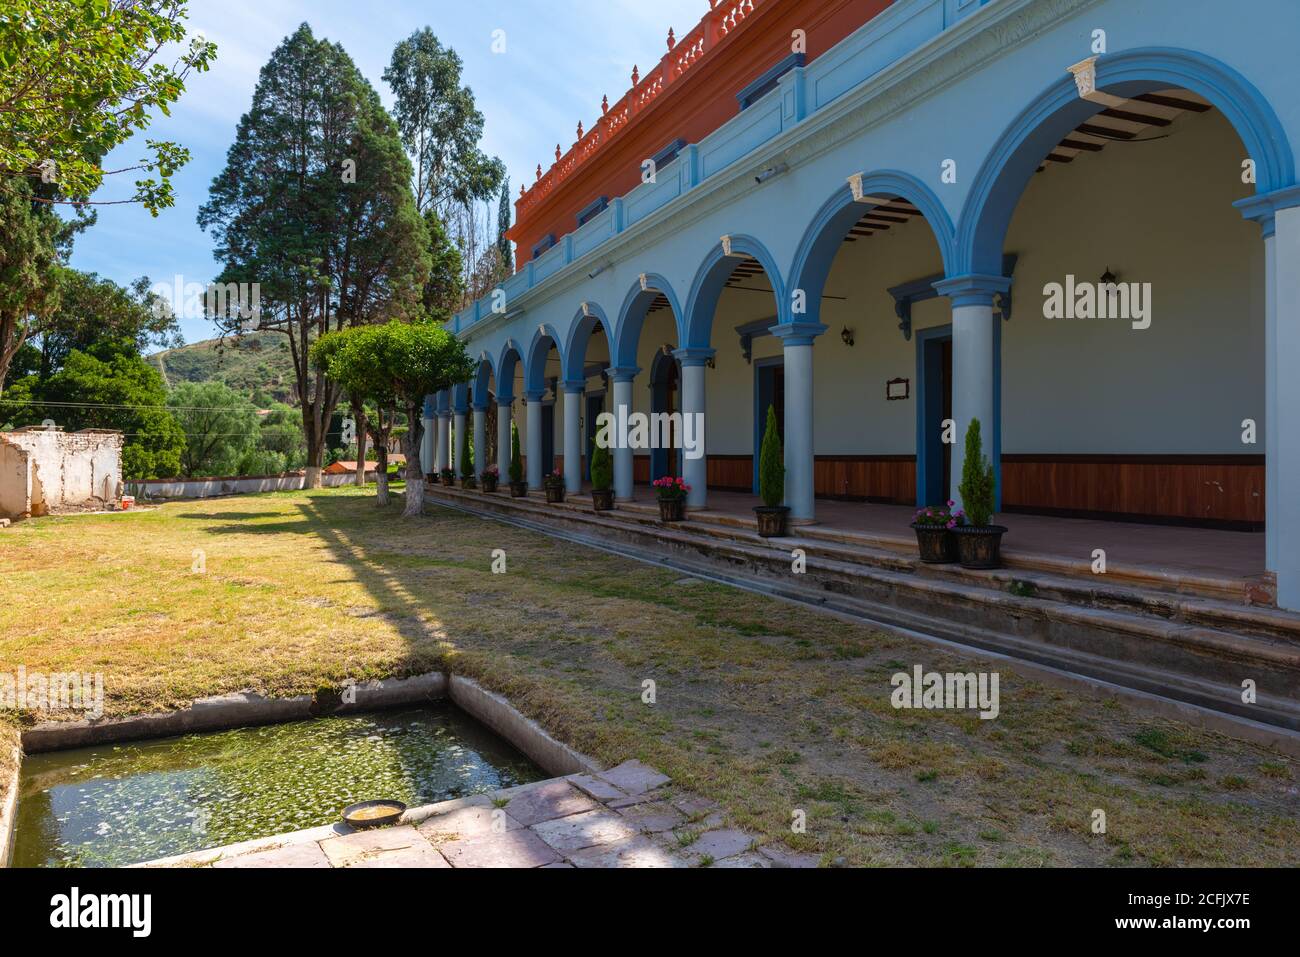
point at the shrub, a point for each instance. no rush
(516, 463)
(976, 486)
(602, 468)
(466, 456)
(771, 464)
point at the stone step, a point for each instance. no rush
(1162, 649)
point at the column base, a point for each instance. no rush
(801, 521)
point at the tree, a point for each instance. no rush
(108, 386)
(445, 288)
(315, 205)
(602, 468)
(79, 78)
(465, 457)
(28, 255)
(516, 463)
(771, 464)
(440, 125)
(505, 252)
(220, 427)
(976, 486)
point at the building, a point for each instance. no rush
(46, 470)
(1075, 220)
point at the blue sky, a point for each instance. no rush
(559, 59)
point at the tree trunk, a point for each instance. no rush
(381, 474)
(359, 417)
(312, 479)
(414, 476)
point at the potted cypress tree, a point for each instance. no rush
(602, 479)
(772, 515)
(466, 458)
(447, 477)
(978, 541)
(489, 478)
(518, 487)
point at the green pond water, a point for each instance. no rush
(120, 804)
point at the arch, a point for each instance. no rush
(535, 359)
(631, 317)
(585, 321)
(1056, 111)
(665, 383)
(509, 360)
(822, 239)
(484, 371)
(712, 275)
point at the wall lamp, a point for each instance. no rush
(598, 270)
(846, 336)
(764, 175)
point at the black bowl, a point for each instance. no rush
(396, 809)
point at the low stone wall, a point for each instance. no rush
(234, 485)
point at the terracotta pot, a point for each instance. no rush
(937, 544)
(518, 489)
(772, 520)
(602, 499)
(672, 509)
(979, 547)
(448, 480)
(554, 494)
(489, 483)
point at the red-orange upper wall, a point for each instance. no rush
(693, 107)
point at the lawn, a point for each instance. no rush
(766, 707)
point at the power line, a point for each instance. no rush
(117, 405)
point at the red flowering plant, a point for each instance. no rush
(493, 471)
(553, 478)
(670, 488)
(940, 516)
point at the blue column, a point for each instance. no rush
(533, 444)
(621, 378)
(572, 390)
(695, 470)
(797, 340)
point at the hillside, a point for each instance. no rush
(257, 361)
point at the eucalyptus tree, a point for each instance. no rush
(315, 207)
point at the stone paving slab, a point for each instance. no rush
(627, 816)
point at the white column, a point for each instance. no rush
(1283, 408)
(974, 361)
(573, 435)
(621, 379)
(533, 448)
(440, 459)
(459, 430)
(480, 439)
(695, 470)
(503, 439)
(797, 341)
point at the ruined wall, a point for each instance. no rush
(47, 470)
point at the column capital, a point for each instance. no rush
(479, 406)
(505, 401)
(1262, 207)
(973, 289)
(534, 395)
(798, 333)
(570, 386)
(693, 355)
(444, 413)
(622, 373)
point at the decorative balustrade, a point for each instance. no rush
(724, 17)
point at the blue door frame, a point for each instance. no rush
(661, 370)
(594, 405)
(764, 387)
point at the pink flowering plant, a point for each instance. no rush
(940, 516)
(493, 471)
(553, 477)
(670, 488)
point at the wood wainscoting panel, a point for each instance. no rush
(1210, 489)
(870, 478)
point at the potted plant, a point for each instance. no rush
(491, 475)
(602, 479)
(672, 492)
(554, 485)
(447, 476)
(978, 541)
(772, 515)
(934, 526)
(466, 460)
(518, 487)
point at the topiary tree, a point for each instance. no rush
(771, 464)
(465, 457)
(602, 468)
(976, 487)
(516, 463)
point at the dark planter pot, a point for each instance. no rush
(937, 544)
(602, 499)
(518, 489)
(489, 483)
(979, 547)
(672, 509)
(468, 483)
(772, 520)
(554, 494)
(448, 481)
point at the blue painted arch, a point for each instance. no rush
(711, 277)
(506, 365)
(484, 374)
(1056, 111)
(631, 317)
(824, 237)
(544, 339)
(585, 322)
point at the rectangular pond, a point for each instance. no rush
(117, 804)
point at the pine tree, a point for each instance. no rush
(516, 462)
(976, 488)
(504, 250)
(771, 464)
